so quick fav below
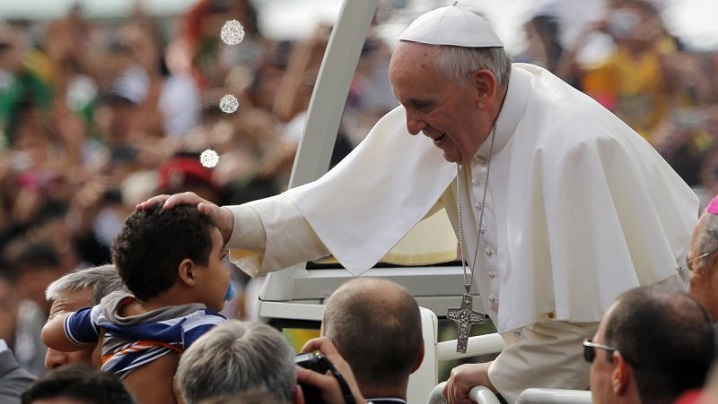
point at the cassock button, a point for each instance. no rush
(483, 231)
(477, 205)
(492, 274)
(493, 299)
(489, 252)
(480, 160)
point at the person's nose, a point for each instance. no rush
(54, 359)
(414, 123)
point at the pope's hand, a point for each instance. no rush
(221, 216)
(463, 378)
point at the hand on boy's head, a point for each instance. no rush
(148, 204)
(221, 217)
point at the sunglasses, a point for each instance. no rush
(689, 264)
(589, 353)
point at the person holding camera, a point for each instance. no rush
(236, 357)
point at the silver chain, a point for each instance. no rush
(469, 281)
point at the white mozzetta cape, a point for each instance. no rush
(582, 207)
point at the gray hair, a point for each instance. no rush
(458, 63)
(103, 280)
(707, 240)
(235, 357)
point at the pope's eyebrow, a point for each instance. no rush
(419, 103)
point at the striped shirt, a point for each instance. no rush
(132, 341)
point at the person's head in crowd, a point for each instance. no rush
(76, 290)
(143, 41)
(702, 260)
(236, 357)
(11, 49)
(77, 384)
(204, 20)
(383, 358)
(185, 172)
(652, 345)
(28, 133)
(47, 225)
(635, 23)
(543, 37)
(172, 257)
(118, 109)
(36, 265)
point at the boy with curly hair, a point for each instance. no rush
(175, 265)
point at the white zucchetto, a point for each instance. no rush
(454, 26)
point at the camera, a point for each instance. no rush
(315, 362)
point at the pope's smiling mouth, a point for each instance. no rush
(439, 138)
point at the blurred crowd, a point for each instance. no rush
(649, 78)
(97, 115)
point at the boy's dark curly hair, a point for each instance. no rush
(153, 242)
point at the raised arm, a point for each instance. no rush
(69, 332)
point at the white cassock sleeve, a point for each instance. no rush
(357, 211)
(249, 237)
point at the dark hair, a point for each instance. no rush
(21, 111)
(79, 382)
(35, 255)
(377, 332)
(670, 337)
(153, 242)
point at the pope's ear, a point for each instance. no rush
(485, 85)
(185, 272)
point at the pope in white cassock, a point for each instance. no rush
(559, 206)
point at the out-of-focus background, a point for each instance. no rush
(105, 103)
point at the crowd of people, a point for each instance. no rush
(96, 116)
(139, 289)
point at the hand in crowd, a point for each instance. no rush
(327, 383)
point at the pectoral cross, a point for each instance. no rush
(465, 316)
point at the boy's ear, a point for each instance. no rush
(186, 272)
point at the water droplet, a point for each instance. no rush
(232, 32)
(209, 158)
(228, 103)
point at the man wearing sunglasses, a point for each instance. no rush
(702, 261)
(652, 345)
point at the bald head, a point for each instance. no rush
(376, 326)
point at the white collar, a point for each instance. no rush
(3, 346)
(511, 112)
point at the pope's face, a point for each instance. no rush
(445, 110)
